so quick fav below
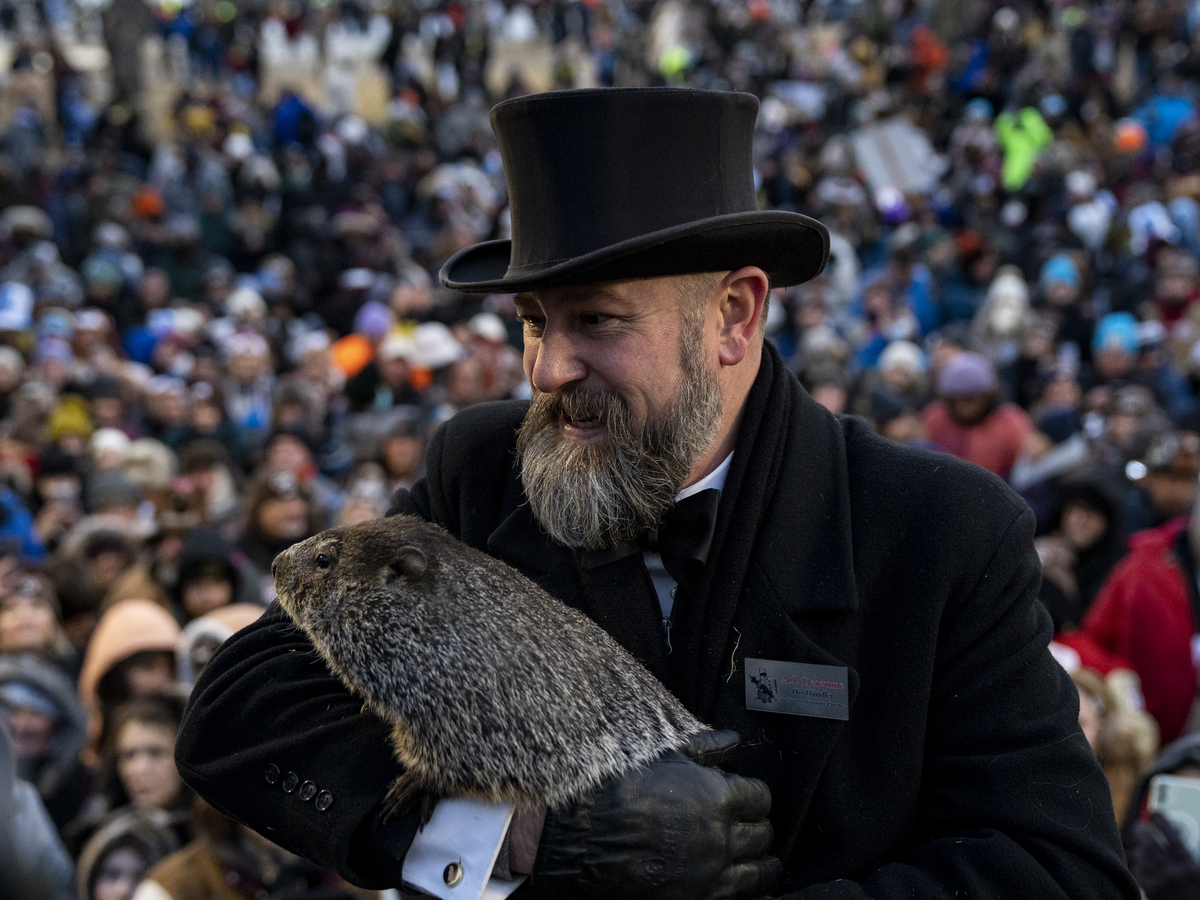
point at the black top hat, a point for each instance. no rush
(621, 183)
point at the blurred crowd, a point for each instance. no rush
(221, 331)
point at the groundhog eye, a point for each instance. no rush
(323, 561)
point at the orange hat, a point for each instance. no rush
(147, 203)
(1129, 136)
(351, 354)
(127, 627)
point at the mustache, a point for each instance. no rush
(581, 405)
(547, 410)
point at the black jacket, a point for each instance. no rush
(961, 769)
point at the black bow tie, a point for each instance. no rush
(685, 532)
(682, 538)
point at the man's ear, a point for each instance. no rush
(743, 294)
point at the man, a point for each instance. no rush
(938, 751)
(1145, 618)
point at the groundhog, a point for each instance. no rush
(495, 690)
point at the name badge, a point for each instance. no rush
(797, 689)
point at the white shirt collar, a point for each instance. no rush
(714, 479)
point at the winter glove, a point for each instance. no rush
(1162, 865)
(671, 830)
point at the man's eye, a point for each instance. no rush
(323, 561)
(594, 318)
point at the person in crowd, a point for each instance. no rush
(34, 861)
(969, 420)
(1142, 619)
(228, 861)
(137, 766)
(46, 728)
(247, 386)
(208, 576)
(1163, 481)
(30, 621)
(290, 450)
(280, 511)
(1125, 740)
(401, 453)
(58, 490)
(131, 653)
(1086, 540)
(1163, 865)
(117, 856)
(211, 481)
(202, 636)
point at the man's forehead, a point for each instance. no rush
(578, 293)
(634, 291)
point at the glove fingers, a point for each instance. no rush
(750, 840)
(746, 880)
(711, 748)
(750, 798)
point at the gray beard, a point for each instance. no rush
(588, 496)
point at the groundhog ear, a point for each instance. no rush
(411, 562)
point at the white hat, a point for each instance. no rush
(352, 130)
(246, 343)
(108, 440)
(91, 320)
(16, 306)
(309, 342)
(245, 301)
(902, 355)
(356, 279)
(435, 346)
(1080, 183)
(11, 359)
(397, 345)
(489, 326)
(188, 320)
(238, 146)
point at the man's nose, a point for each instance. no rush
(556, 363)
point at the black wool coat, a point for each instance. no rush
(960, 771)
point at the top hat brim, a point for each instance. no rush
(789, 247)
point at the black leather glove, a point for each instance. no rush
(1162, 865)
(672, 830)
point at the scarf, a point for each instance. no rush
(702, 627)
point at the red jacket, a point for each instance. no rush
(1143, 617)
(995, 443)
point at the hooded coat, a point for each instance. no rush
(203, 548)
(148, 832)
(61, 778)
(1144, 618)
(34, 862)
(126, 628)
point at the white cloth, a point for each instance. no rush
(465, 833)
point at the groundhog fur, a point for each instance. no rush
(495, 690)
